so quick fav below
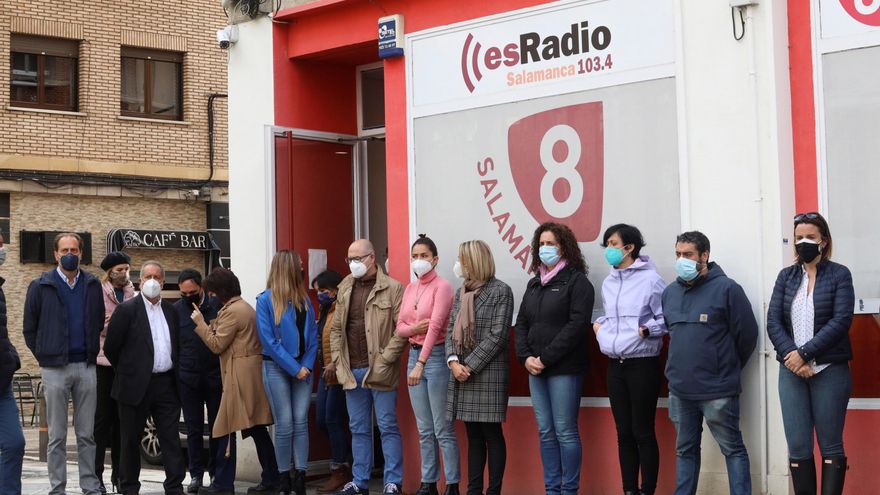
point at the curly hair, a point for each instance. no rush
(568, 247)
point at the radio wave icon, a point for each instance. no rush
(473, 57)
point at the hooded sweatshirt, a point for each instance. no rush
(631, 298)
(713, 333)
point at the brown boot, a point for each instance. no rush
(338, 477)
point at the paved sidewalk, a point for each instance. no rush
(35, 480)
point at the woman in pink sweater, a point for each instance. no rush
(424, 314)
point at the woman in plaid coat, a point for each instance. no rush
(476, 349)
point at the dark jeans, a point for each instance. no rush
(331, 416)
(485, 438)
(106, 425)
(633, 387)
(197, 393)
(11, 444)
(162, 402)
(224, 467)
(818, 402)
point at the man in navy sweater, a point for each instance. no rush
(713, 333)
(63, 319)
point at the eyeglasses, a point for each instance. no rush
(358, 258)
(800, 217)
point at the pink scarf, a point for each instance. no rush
(547, 275)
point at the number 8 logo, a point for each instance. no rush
(561, 170)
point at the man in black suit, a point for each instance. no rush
(142, 345)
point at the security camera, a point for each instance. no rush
(227, 36)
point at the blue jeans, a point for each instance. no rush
(11, 444)
(722, 416)
(289, 399)
(330, 416)
(818, 402)
(428, 400)
(556, 401)
(361, 402)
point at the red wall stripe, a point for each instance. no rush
(803, 108)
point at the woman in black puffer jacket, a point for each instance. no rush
(808, 321)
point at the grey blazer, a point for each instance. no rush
(483, 397)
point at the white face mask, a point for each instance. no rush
(2, 255)
(420, 267)
(358, 269)
(458, 270)
(151, 288)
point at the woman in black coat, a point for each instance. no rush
(808, 322)
(551, 342)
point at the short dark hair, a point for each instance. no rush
(223, 283)
(696, 238)
(189, 274)
(628, 235)
(62, 235)
(425, 241)
(328, 280)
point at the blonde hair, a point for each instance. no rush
(476, 258)
(286, 283)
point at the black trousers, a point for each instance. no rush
(633, 387)
(199, 392)
(485, 438)
(106, 425)
(162, 402)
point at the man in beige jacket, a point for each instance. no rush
(365, 351)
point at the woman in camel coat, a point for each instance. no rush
(243, 406)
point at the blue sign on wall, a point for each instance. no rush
(391, 36)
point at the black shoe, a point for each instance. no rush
(298, 482)
(451, 489)
(427, 489)
(261, 488)
(211, 490)
(803, 476)
(352, 489)
(833, 475)
(194, 485)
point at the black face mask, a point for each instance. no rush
(193, 299)
(807, 251)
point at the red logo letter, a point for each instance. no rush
(556, 158)
(864, 11)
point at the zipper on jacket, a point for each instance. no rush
(617, 315)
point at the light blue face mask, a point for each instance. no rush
(549, 255)
(613, 255)
(686, 269)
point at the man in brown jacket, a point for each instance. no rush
(365, 351)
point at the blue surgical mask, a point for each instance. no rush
(325, 298)
(549, 255)
(686, 269)
(613, 255)
(70, 262)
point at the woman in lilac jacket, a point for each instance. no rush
(631, 335)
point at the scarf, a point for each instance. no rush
(547, 275)
(463, 330)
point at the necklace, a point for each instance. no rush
(419, 293)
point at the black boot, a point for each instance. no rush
(451, 489)
(298, 485)
(803, 476)
(284, 482)
(427, 489)
(833, 474)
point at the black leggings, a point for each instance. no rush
(483, 438)
(633, 387)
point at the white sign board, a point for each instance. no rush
(841, 18)
(560, 48)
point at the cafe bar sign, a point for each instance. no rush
(164, 239)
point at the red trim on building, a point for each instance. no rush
(803, 107)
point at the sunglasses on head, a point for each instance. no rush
(800, 217)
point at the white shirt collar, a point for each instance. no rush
(64, 276)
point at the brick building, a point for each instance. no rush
(105, 124)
